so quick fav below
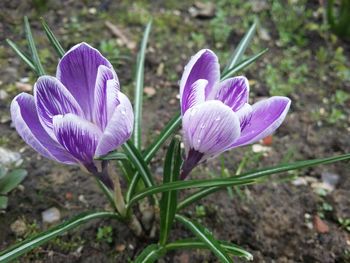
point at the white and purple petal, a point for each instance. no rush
(203, 65)
(266, 116)
(193, 95)
(244, 115)
(233, 92)
(78, 136)
(28, 126)
(106, 96)
(52, 98)
(209, 128)
(119, 127)
(77, 70)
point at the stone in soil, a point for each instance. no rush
(19, 227)
(51, 215)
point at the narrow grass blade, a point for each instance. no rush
(150, 254)
(180, 185)
(245, 63)
(169, 199)
(168, 130)
(37, 240)
(52, 38)
(136, 159)
(127, 169)
(292, 166)
(206, 237)
(192, 243)
(244, 179)
(39, 68)
(261, 174)
(196, 196)
(241, 48)
(139, 87)
(22, 55)
(113, 156)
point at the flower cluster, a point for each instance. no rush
(81, 113)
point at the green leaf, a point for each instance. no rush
(53, 40)
(292, 166)
(3, 171)
(168, 202)
(113, 156)
(188, 184)
(262, 173)
(109, 194)
(3, 202)
(192, 243)
(32, 48)
(12, 180)
(245, 63)
(150, 254)
(127, 169)
(206, 237)
(244, 179)
(22, 55)
(168, 130)
(39, 239)
(136, 159)
(139, 87)
(196, 196)
(241, 48)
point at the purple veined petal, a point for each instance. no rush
(193, 95)
(52, 98)
(78, 136)
(244, 115)
(28, 126)
(267, 115)
(233, 92)
(203, 65)
(209, 128)
(119, 127)
(77, 70)
(106, 96)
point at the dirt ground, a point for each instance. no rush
(278, 220)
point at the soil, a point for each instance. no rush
(273, 220)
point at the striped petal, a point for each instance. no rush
(28, 126)
(78, 136)
(119, 127)
(194, 95)
(203, 65)
(233, 92)
(209, 128)
(266, 117)
(52, 98)
(77, 70)
(106, 96)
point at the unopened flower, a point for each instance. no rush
(216, 116)
(77, 115)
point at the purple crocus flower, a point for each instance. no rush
(216, 116)
(77, 115)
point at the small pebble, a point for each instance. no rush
(120, 248)
(51, 215)
(330, 179)
(320, 226)
(19, 227)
